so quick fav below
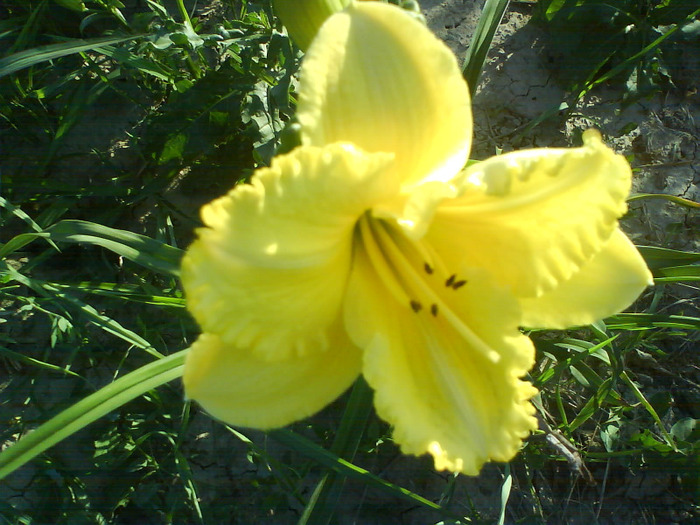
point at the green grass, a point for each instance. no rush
(117, 124)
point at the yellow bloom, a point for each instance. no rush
(368, 250)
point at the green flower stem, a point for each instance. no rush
(183, 12)
(191, 64)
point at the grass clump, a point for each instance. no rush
(119, 121)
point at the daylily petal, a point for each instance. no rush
(236, 387)
(445, 360)
(376, 77)
(302, 18)
(605, 285)
(269, 271)
(532, 218)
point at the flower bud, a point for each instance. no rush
(303, 18)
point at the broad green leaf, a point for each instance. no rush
(90, 409)
(683, 429)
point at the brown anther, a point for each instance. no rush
(428, 268)
(451, 280)
(434, 309)
(416, 306)
(458, 285)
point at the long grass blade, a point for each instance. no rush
(123, 292)
(651, 321)
(490, 17)
(329, 460)
(90, 409)
(676, 274)
(30, 57)
(650, 409)
(150, 253)
(36, 362)
(107, 324)
(322, 504)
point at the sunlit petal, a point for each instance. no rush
(303, 18)
(607, 284)
(269, 271)
(376, 77)
(239, 389)
(443, 353)
(532, 218)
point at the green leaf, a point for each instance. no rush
(491, 16)
(684, 428)
(35, 362)
(591, 407)
(90, 409)
(677, 273)
(125, 292)
(664, 257)
(107, 324)
(645, 403)
(321, 506)
(651, 321)
(24, 59)
(505, 494)
(73, 5)
(149, 253)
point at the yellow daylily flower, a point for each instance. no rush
(369, 250)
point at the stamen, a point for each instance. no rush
(399, 260)
(428, 269)
(378, 260)
(434, 309)
(416, 306)
(450, 280)
(458, 285)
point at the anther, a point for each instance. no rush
(458, 285)
(434, 309)
(428, 268)
(416, 306)
(451, 280)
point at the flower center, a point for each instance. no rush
(417, 278)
